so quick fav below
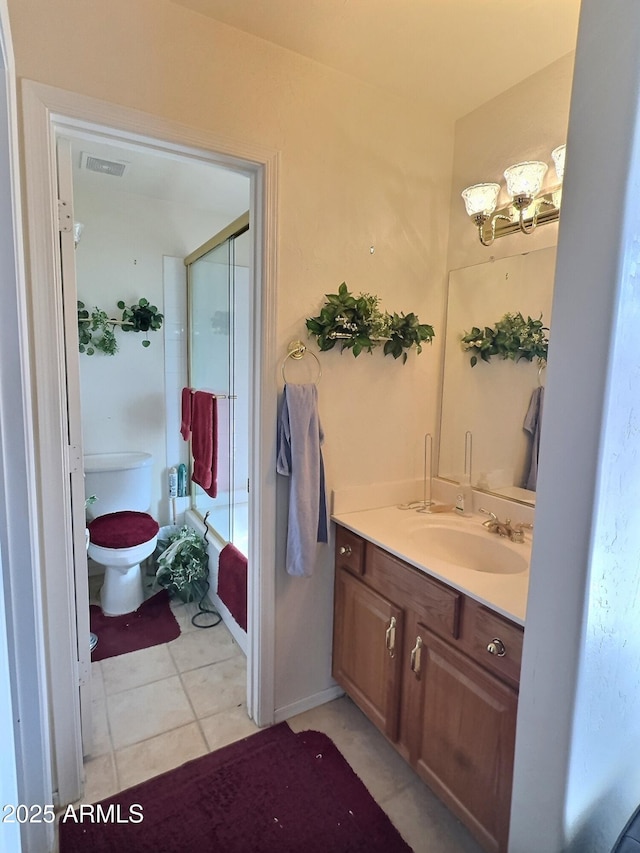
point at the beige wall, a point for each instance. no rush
(356, 170)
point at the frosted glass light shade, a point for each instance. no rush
(525, 179)
(558, 161)
(481, 199)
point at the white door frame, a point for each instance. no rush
(46, 112)
(25, 775)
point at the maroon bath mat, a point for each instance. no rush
(273, 792)
(151, 624)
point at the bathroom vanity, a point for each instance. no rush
(434, 667)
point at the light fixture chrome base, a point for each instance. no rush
(541, 211)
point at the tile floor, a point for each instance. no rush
(157, 708)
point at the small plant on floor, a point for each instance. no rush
(183, 567)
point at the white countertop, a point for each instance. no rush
(405, 534)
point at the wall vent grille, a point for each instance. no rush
(105, 167)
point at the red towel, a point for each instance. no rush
(232, 583)
(204, 441)
(185, 424)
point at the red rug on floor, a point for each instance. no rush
(151, 624)
(273, 792)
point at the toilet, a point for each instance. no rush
(121, 532)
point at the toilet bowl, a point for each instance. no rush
(120, 541)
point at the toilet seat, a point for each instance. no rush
(125, 529)
(119, 541)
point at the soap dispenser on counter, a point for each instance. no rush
(464, 498)
(464, 493)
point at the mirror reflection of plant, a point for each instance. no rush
(512, 337)
(358, 324)
(141, 317)
(95, 332)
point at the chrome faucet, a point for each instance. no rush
(514, 532)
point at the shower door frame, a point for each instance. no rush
(235, 229)
(47, 112)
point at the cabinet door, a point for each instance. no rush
(463, 741)
(366, 640)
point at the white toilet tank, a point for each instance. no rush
(120, 481)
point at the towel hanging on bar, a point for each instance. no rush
(204, 441)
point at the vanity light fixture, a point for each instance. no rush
(528, 207)
(558, 161)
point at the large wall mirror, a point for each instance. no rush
(494, 399)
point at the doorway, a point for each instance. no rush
(135, 215)
(48, 114)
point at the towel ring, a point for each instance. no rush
(297, 349)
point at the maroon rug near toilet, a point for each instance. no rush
(273, 792)
(151, 624)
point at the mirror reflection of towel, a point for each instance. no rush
(532, 424)
(300, 458)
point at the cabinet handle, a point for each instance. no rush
(496, 647)
(416, 656)
(390, 637)
(345, 550)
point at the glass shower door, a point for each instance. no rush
(219, 361)
(210, 369)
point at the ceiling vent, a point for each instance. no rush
(105, 167)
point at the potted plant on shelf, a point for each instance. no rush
(358, 323)
(95, 331)
(140, 317)
(183, 565)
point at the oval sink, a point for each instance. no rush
(480, 552)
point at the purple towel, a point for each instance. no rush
(300, 458)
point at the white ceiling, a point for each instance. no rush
(161, 176)
(454, 54)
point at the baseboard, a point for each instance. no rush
(306, 704)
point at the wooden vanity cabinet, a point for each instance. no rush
(465, 723)
(367, 633)
(413, 655)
